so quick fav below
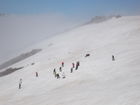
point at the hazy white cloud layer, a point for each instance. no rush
(20, 31)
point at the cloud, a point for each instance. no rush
(19, 31)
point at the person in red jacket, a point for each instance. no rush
(62, 64)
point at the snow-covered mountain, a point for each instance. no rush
(98, 80)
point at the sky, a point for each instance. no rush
(70, 7)
(30, 21)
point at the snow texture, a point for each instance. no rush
(98, 80)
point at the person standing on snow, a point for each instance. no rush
(60, 69)
(77, 65)
(71, 70)
(20, 82)
(73, 65)
(62, 64)
(54, 72)
(36, 74)
(57, 76)
(113, 58)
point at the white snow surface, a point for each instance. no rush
(98, 80)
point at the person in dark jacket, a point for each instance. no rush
(113, 58)
(57, 76)
(36, 74)
(73, 65)
(20, 82)
(77, 65)
(87, 55)
(54, 72)
(71, 70)
(60, 69)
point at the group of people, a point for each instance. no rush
(61, 72)
(75, 66)
(57, 74)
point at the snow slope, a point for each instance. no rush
(98, 81)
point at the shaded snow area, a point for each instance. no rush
(108, 74)
(19, 58)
